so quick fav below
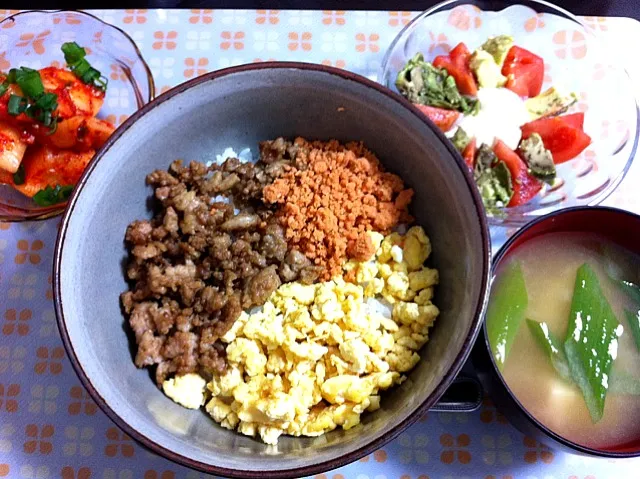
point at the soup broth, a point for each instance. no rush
(549, 266)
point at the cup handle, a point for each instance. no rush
(463, 395)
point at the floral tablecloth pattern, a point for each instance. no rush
(50, 427)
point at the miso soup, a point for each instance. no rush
(564, 328)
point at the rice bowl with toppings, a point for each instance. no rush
(282, 310)
(90, 271)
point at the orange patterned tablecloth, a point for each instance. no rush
(49, 427)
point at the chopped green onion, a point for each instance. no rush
(53, 195)
(29, 81)
(75, 55)
(4, 86)
(11, 77)
(18, 176)
(73, 52)
(16, 105)
(36, 103)
(48, 102)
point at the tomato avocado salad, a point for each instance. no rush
(490, 104)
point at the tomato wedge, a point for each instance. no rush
(524, 71)
(469, 153)
(561, 135)
(575, 120)
(444, 119)
(525, 186)
(457, 65)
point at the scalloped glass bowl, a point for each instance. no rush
(575, 60)
(33, 39)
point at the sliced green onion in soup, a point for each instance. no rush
(552, 347)
(620, 381)
(591, 345)
(507, 307)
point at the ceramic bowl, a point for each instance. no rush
(237, 108)
(33, 39)
(618, 226)
(575, 61)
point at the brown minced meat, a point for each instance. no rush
(197, 264)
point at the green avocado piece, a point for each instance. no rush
(420, 82)
(460, 139)
(538, 158)
(549, 103)
(498, 47)
(409, 81)
(487, 70)
(485, 158)
(495, 186)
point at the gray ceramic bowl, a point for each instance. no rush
(238, 107)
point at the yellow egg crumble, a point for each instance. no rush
(317, 356)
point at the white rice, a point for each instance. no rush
(379, 306)
(244, 156)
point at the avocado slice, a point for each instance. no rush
(495, 186)
(420, 82)
(549, 103)
(460, 139)
(538, 158)
(498, 47)
(487, 70)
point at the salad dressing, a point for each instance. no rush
(500, 116)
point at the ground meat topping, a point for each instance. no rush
(196, 265)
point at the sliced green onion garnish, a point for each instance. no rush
(73, 52)
(18, 176)
(16, 105)
(53, 195)
(75, 55)
(29, 81)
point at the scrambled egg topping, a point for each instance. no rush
(318, 356)
(187, 390)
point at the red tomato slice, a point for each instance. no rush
(444, 119)
(469, 154)
(546, 126)
(525, 186)
(561, 135)
(575, 120)
(460, 54)
(457, 65)
(524, 71)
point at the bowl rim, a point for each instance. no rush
(377, 442)
(46, 212)
(604, 191)
(502, 254)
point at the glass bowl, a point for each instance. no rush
(33, 39)
(575, 60)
